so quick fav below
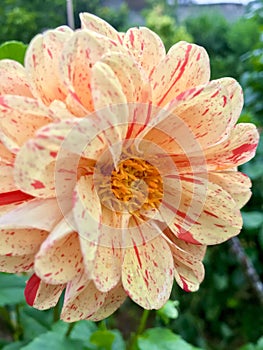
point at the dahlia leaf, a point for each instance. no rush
(11, 289)
(14, 50)
(162, 338)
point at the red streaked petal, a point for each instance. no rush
(13, 79)
(40, 295)
(16, 264)
(82, 300)
(148, 273)
(31, 289)
(184, 67)
(238, 149)
(42, 64)
(146, 47)
(115, 297)
(98, 25)
(14, 197)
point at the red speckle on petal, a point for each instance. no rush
(138, 255)
(37, 185)
(2, 102)
(181, 72)
(187, 237)
(185, 286)
(50, 53)
(31, 289)
(14, 197)
(53, 154)
(80, 288)
(210, 214)
(247, 147)
(215, 94)
(131, 37)
(34, 60)
(225, 101)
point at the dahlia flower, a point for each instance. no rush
(118, 167)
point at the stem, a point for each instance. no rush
(70, 14)
(143, 322)
(248, 267)
(56, 313)
(140, 329)
(17, 324)
(70, 329)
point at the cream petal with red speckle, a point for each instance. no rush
(148, 272)
(40, 295)
(14, 80)
(184, 67)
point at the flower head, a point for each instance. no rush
(119, 166)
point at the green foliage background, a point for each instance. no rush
(225, 314)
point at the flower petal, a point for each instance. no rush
(111, 105)
(20, 242)
(7, 182)
(189, 277)
(148, 272)
(186, 252)
(59, 258)
(134, 83)
(98, 25)
(87, 215)
(40, 295)
(13, 79)
(16, 264)
(6, 157)
(36, 213)
(113, 301)
(34, 170)
(204, 216)
(235, 183)
(107, 268)
(42, 64)
(146, 47)
(82, 300)
(184, 67)
(196, 112)
(238, 149)
(23, 229)
(78, 56)
(21, 117)
(189, 270)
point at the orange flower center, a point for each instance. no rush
(135, 185)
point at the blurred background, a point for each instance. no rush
(227, 312)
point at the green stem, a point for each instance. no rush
(70, 329)
(56, 313)
(143, 322)
(140, 329)
(18, 327)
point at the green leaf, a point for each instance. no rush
(168, 311)
(14, 346)
(103, 339)
(118, 343)
(162, 338)
(252, 220)
(260, 344)
(83, 330)
(14, 50)
(53, 340)
(34, 322)
(11, 289)
(60, 327)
